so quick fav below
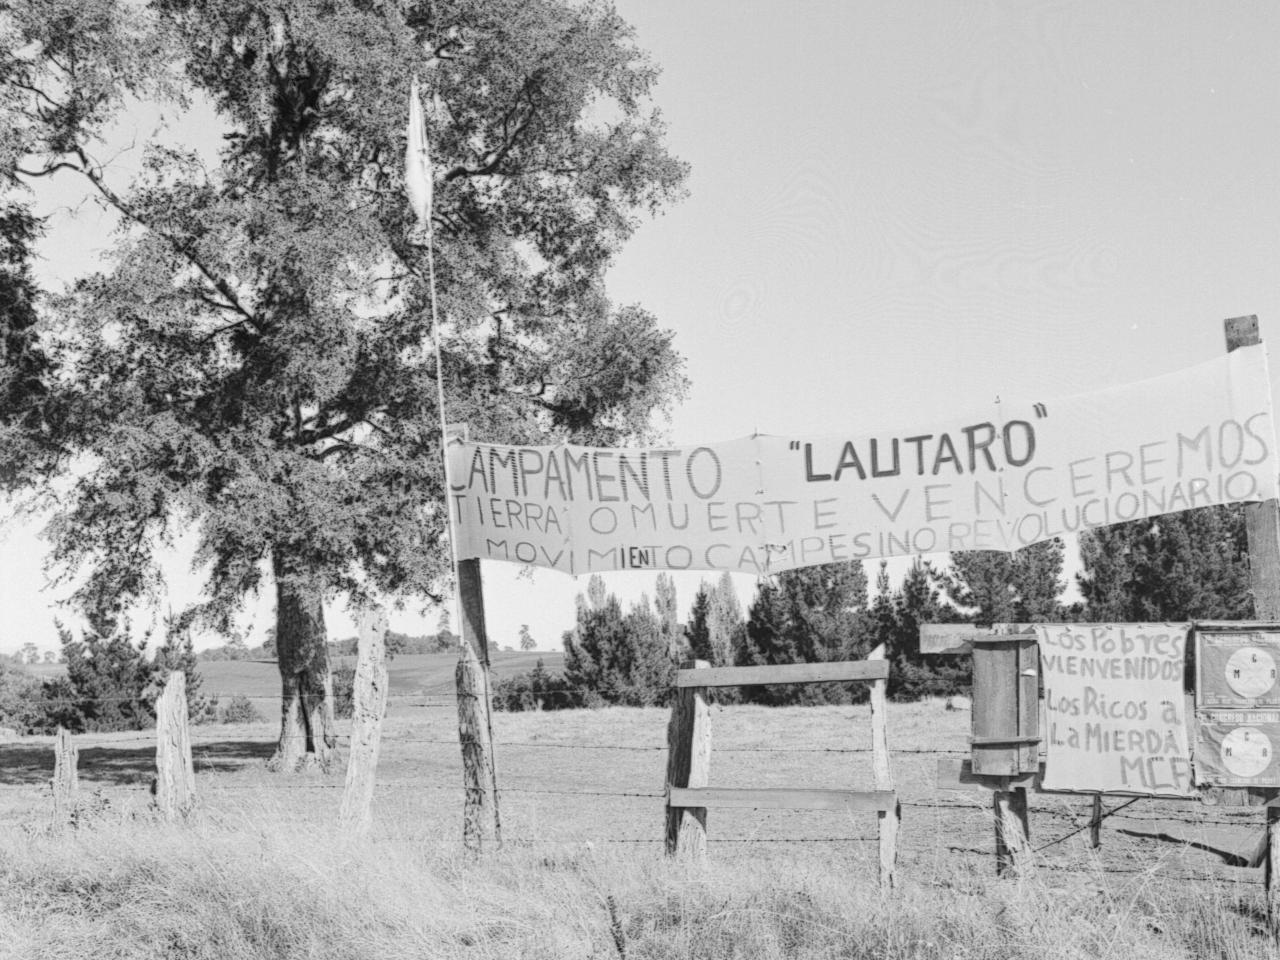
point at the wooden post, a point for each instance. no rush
(1262, 520)
(480, 821)
(889, 819)
(370, 704)
(175, 775)
(65, 778)
(480, 818)
(1095, 824)
(688, 765)
(1262, 526)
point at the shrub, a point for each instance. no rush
(240, 709)
(344, 682)
(536, 690)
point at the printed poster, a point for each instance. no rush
(1115, 713)
(1237, 748)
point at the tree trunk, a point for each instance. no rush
(306, 687)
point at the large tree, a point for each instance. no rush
(255, 361)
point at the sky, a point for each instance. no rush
(896, 212)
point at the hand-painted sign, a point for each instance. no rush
(1013, 476)
(1114, 708)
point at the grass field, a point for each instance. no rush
(429, 675)
(262, 871)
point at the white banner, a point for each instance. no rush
(1115, 714)
(1013, 476)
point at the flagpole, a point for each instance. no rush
(480, 818)
(420, 187)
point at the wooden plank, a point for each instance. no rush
(994, 717)
(688, 767)
(889, 820)
(851, 801)
(844, 670)
(955, 638)
(958, 775)
(1029, 705)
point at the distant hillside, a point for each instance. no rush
(430, 673)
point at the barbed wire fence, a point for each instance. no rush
(439, 696)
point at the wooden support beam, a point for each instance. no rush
(845, 670)
(891, 819)
(785, 798)
(958, 775)
(949, 639)
(688, 769)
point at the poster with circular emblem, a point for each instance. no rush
(1237, 669)
(1237, 748)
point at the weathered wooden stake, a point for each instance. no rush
(1012, 833)
(368, 709)
(175, 775)
(66, 781)
(1095, 824)
(481, 821)
(889, 819)
(688, 765)
(1262, 527)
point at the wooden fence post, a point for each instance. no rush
(889, 820)
(480, 819)
(1095, 822)
(175, 776)
(688, 765)
(1262, 527)
(368, 708)
(66, 780)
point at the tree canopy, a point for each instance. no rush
(254, 361)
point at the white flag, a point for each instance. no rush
(417, 173)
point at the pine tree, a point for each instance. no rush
(109, 678)
(999, 587)
(725, 622)
(697, 632)
(668, 611)
(615, 659)
(1180, 566)
(178, 653)
(809, 615)
(913, 674)
(526, 638)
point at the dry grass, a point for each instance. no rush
(262, 872)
